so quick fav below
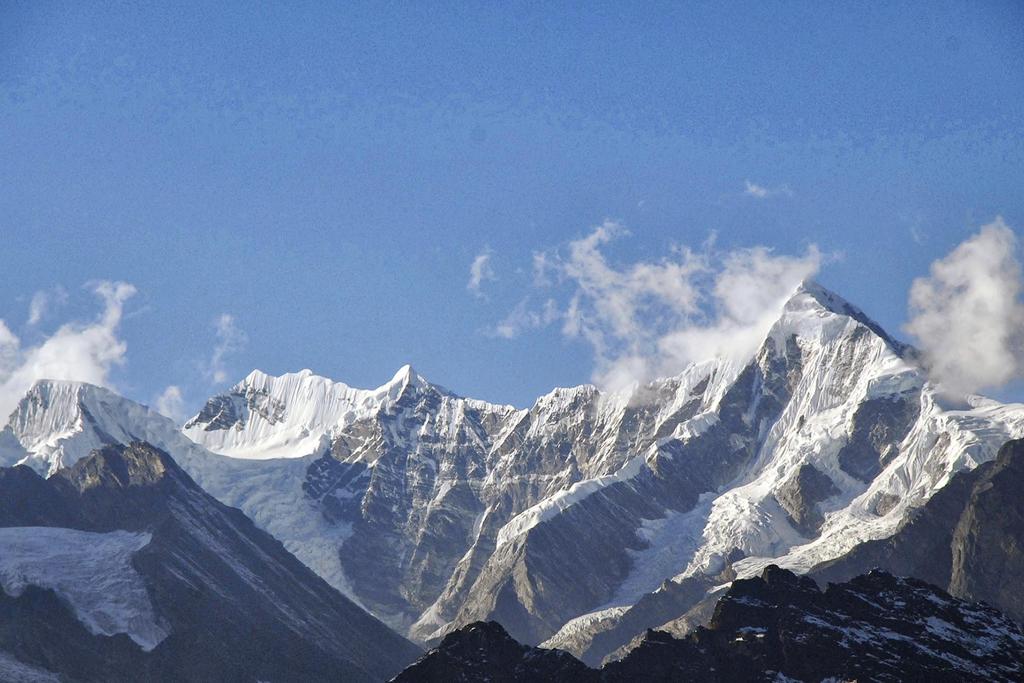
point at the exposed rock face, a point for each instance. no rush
(879, 425)
(968, 538)
(227, 601)
(800, 495)
(484, 651)
(988, 542)
(875, 627)
(780, 626)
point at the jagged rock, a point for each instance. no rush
(879, 426)
(780, 626)
(483, 651)
(800, 495)
(988, 541)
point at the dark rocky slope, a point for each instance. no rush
(778, 626)
(969, 538)
(235, 605)
(484, 651)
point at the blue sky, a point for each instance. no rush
(326, 175)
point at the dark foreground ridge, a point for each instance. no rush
(230, 602)
(776, 627)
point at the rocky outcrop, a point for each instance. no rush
(780, 626)
(799, 497)
(988, 541)
(876, 627)
(879, 426)
(484, 651)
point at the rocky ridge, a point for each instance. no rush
(774, 627)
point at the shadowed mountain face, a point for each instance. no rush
(968, 538)
(122, 569)
(778, 626)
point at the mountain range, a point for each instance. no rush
(578, 523)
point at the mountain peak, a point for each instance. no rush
(810, 295)
(123, 466)
(59, 422)
(822, 296)
(406, 375)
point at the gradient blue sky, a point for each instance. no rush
(326, 174)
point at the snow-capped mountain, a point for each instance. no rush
(589, 513)
(457, 510)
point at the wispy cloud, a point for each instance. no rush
(651, 318)
(917, 233)
(80, 351)
(43, 302)
(759, 191)
(230, 339)
(171, 403)
(480, 271)
(967, 313)
(522, 318)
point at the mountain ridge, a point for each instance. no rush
(433, 510)
(774, 627)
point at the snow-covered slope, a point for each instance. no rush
(91, 571)
(58, 423)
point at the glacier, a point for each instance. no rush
(92, 571)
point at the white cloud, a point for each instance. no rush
(753, 189)
(967, 314)
(10, 346)
(917, 234)
(615, 309)
(230, 339)
(651, 318)
(522, 318)
(480, 271)
(541, 269)
(84, 352)
(171, 403)
(43, 301)
(748, 293)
